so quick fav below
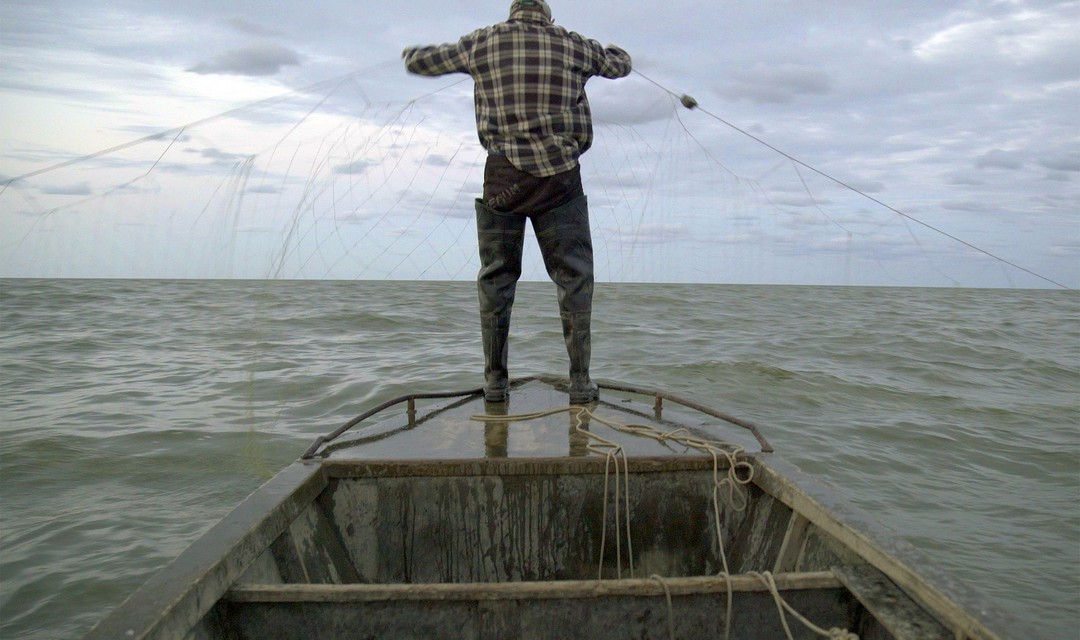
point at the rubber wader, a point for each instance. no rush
(565, 242)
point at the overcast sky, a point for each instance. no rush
(962, 116)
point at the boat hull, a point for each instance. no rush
(553, 542)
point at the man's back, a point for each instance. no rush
(530, 97)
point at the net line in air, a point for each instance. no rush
(691, 103)
(330, 183)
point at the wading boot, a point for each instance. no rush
(577, 334)
(566, 244)
(495, 331)
(500, 237)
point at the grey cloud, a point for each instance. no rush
(45, 87)
(245, 26)
(867, 186)
(220, 156)
(797, 200)
(653, 233)
(472, 187)
(849, 95)
(1064, 249)
(355, 167)
(964, 180)
(778, 84)
(436, 160)
(155, 133)
(619, 181)
(81, 189)
(809, 219)
(459, 213)
(1058, 176)
(1034, 41)
(1000, 159)
(457, 205)
(1068, 161)
(628, 101)
(357, 216)
(970, 206)
(254, 60)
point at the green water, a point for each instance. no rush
(135, 414)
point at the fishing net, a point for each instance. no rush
(372, 176)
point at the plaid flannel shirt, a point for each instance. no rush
(530, 88)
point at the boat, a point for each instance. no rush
(642, 515)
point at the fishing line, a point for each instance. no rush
(328, 87)
(691, 103)
(176, 131)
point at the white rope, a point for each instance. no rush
(835, 633)
(732, 486)
(670, 608)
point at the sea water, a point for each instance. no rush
(136, 413)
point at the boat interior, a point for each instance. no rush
(442, 516)
(542, 535)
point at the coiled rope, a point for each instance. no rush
(731, 487)
(766, 578)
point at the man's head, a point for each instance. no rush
(530, 10)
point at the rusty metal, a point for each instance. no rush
(410, 398)
(690, 404)
(658, 403)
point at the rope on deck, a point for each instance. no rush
(766, 578)
(731, 487)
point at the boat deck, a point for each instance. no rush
(447, 429)
(440, 515)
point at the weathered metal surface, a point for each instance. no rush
(842, 534)
(173, 602)
(447, 432)
(310, 551)
(558, 616)
(658, 409)
(890, 608)
(793, 544)
(495, 528)
(411, 412)
(636, 587)
(559, 386)
(432, 503)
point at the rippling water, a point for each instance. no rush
(135, 414)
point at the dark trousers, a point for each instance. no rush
(508, 189)
(558, 210)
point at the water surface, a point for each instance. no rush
(135, 414)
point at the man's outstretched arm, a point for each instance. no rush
(616, 63)
(437, 60)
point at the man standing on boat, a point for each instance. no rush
(533, 118)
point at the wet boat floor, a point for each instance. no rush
(449, 429)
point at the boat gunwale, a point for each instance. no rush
(548, 589)
(359, 468)
(187, 588)
(967, 612)
(410, 401)
(179, 595)
(835, 515)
